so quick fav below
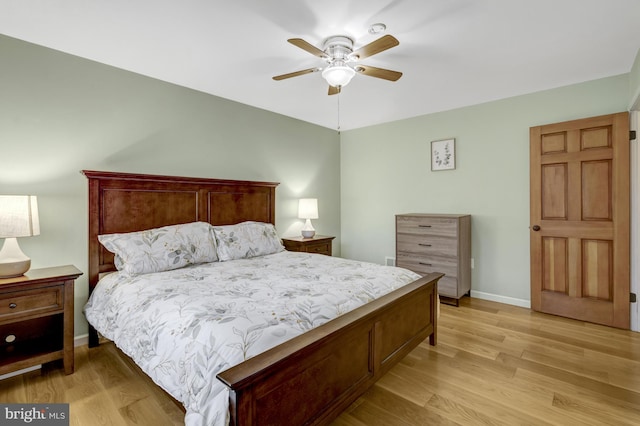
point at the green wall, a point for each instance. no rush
(60, 114)
(634, 84)
(386, 171)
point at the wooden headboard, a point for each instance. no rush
(125, 202)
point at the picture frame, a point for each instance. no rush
(443, 154)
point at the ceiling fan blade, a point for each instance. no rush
(295, 74)
(376, 46)
(379, 72)
(333, 90)
(307, 46)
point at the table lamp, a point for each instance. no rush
(18, 218)
(308, 209)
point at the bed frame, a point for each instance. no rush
(309, 379)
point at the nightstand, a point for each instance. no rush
(36, 318)
(318, 244)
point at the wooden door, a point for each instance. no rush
(579, 229)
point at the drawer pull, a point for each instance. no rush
(12, 306)
(424, 226)
(424, 245)
(10, 338)
(425, 264)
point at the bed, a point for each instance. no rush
(308, 379)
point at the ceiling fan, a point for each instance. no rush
(343, 61)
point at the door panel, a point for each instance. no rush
(555, 264)
(580, 219)
(597, 265)
(554, 191)
(596, 190)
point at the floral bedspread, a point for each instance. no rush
(184, 326)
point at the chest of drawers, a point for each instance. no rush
(436, 243)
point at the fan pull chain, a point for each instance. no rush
(338, 112)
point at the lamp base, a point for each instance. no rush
(308, 234)
(307, 230)
(13, 262)
(15, 269)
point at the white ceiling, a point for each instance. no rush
(452, 52)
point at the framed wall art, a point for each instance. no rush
(443, 154)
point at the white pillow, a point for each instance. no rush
(162, 249)
(245, 240)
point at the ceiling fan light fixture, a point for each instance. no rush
(338, 75)
(342, 61)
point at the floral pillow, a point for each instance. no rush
(245, 240)
(162, 249)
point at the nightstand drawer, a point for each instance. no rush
(29, 302)
(321, 248)
(319, 244)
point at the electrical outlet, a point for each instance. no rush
(389, 261)
(472, 263)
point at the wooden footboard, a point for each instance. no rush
(312, 378)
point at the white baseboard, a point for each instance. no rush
(81, 340)
(501, 299)
(519, 302)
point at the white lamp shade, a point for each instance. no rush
(19, 216)
(308, 208)
(338, 75)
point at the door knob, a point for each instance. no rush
(536, 228)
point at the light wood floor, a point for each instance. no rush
(494, 365)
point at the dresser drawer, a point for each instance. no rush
(448, 287)
(424, 266)
(431, 245)
(24, 303)
(427, 226)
